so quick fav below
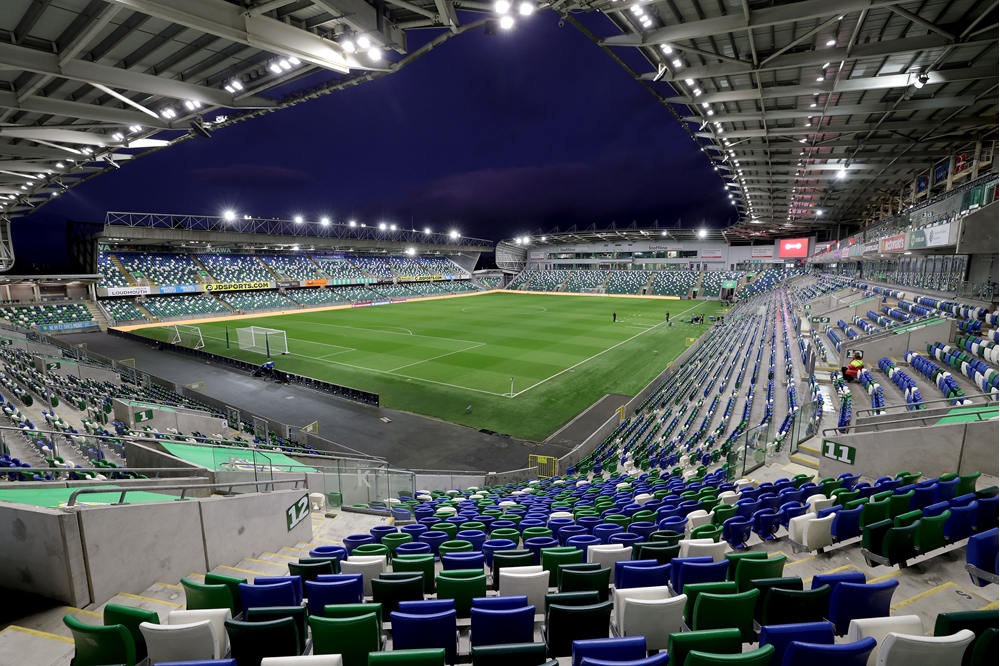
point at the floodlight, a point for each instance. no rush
(517, 240)
(392, 227)
(543, 238)
(920, 82)
(236, 84)
(663, 233)
(702, 233)
(820, 78)
(410, 251)
(832, 42)
(427, 230)
(453, 233)
(677, 63)
(381, 226)
(60, 165)
(506, 22)
(502, 6)
(636, 9)
(118, 136)
(348, 46)
(352, 223)
(298, 219)
(295, 247)
(842, 174)
(275, 67)
(294, 61)
(526, 8)
(325, 221)
(246, 217)
(229, 215)
(284, 64)
(374, 54)
(666, 49)
(364, 42)
(819, 212)
(689, 81)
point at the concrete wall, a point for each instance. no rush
(512, 476)
(152, 454)
(444, 481)
(68, 368)
(130, 547)
(979, 233)
(184, 420)
(246, 526)
(958, 447)
(895, 345)
(980, 448)
(41, 551)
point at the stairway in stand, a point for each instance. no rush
(98, 314)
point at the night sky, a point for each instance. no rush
(492, 135)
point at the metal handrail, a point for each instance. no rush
(182, 488)
(114, 470)
(922, 421)
(988, 397)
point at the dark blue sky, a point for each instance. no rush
(494, 135)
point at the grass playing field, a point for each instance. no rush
(437, 357)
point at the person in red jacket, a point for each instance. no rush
(854, 367)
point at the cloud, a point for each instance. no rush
(254, 176)
(621, 188)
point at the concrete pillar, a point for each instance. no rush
(975, 159)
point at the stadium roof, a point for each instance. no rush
(818, 109)
(804, 106)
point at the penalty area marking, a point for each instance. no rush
(569, 369)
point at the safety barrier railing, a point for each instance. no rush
(980, 412)
(183, 488)
(930, 404)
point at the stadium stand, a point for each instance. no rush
(183, 306)
(357, 294)
(673, 283)
(159, 268)
(711, 283)
(373, 266)
(236, 268)
(491, 282)
(315, 296)
(291, 267)
(585, 281)
(111, 276)
(123, 310)
(46, 314)
(246, 301)
(340, 269)
(627, 282)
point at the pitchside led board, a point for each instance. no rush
(793, 248)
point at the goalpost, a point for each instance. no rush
(186, 336)
(262, 340)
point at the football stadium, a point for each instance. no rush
(515, 432)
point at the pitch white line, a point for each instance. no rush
(432, 358)
(596, 355)
(346, 350)
(376, 330)
(313, 359)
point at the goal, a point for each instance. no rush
(262, 340)
(186, 336)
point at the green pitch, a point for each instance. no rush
(437, 357)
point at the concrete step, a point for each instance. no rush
(804, 459)
(19, 645)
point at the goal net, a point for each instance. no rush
(186, 336)
(262, 340)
